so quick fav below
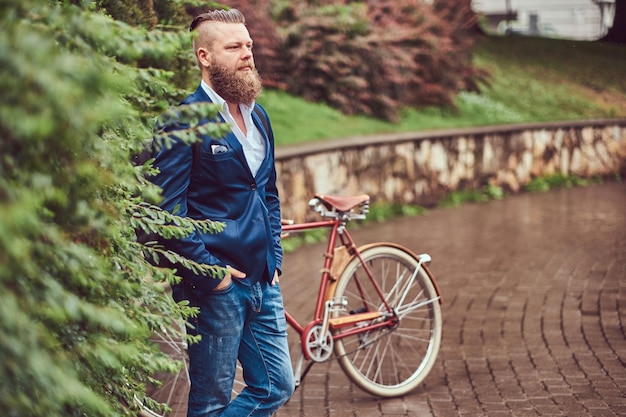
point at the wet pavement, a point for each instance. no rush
(534, 290)
(534, 308)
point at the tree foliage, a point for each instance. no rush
(149, 13)
(78, 297)
(617, 32)
(373, 57)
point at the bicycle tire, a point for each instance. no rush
(390, 361)
(174, 388)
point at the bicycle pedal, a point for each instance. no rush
(358, 310)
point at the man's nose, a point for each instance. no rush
(247, 53)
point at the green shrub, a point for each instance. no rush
(78, 299)
(377, 58)
(372, 58)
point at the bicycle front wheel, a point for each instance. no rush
(391, 360)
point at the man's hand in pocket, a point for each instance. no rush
(232, 273)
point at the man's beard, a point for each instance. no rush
(235, 86)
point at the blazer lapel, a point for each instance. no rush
(230, 138)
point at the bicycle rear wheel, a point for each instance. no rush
(391, 360)
(174, 387)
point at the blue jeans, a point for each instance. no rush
(246, 324)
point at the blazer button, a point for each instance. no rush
(253, 187)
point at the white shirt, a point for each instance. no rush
(253, 143)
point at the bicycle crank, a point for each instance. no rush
(318, 344)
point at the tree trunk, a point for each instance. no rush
(617, 33)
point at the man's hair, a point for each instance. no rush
(224, 16)
(205, 38)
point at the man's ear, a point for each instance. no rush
(204, 57)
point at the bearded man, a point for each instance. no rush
(241, 316)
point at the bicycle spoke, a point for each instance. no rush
(391, 360)
(415, 305)
(174, 386)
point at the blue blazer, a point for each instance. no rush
(222, 188)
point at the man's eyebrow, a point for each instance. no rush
(238, 43)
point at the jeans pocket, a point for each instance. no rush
(225, 289)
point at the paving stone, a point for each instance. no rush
(534, 293)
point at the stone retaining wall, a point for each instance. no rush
(422, 167)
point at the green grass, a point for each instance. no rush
(550, 182)
(487, 193)
(532, 80)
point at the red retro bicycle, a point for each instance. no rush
(377, 310)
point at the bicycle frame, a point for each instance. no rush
(371, 311)
(337, 230)
(320, 315)
(332, 239)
